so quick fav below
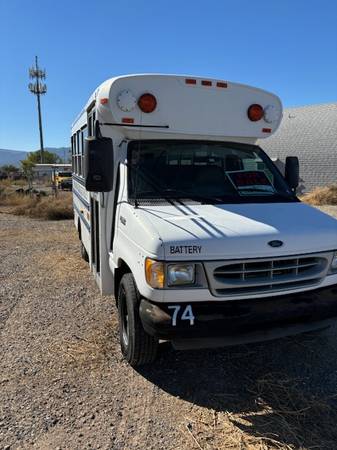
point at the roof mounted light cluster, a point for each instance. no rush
(127, 102)
(270, 114)
(207, 83)
(147, 103)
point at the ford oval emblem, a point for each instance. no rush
(275, 243)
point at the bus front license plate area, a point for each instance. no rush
(181, 313)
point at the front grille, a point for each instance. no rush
(266, 275)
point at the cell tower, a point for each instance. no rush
(38, 88)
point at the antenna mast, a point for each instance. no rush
(38, 88)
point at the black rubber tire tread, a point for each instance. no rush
(142, 348)
(84, 253)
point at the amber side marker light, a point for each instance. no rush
(147, 103)
(127, 120)
(255, 112)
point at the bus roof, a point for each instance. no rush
(186, 107)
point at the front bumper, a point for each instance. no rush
(220, 323)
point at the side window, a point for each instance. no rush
(84, 135)
(90, 127)
(78, 153)
(72, 153)
(91, 121)
(75, 153)
(81, 152)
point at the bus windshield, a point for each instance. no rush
(206, 172)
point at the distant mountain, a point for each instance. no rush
(11, 157)
(14, 156)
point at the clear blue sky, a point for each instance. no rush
(286, 46)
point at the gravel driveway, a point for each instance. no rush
(64, 384)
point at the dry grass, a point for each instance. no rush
(321, 196)
(58, 263)
(8, 183)
(46, 208)
(12, 199)
(93, 351)
(284, 418)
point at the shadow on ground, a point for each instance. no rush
(285, 389)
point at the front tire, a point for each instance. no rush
(137, 346)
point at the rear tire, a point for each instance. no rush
(137, 346)
(84, 253)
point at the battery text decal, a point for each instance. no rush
(185, 249)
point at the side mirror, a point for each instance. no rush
(98, 164)
(292, 172)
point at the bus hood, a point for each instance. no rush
(241, 230)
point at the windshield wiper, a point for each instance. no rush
(191, 196)
(257, 190)
(280, 194)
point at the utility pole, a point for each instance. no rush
(38, 88)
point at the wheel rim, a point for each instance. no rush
(124, 317)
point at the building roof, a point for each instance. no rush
(309, 132)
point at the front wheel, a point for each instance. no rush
(137, 346)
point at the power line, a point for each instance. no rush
(37, 87)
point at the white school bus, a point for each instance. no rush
(189, 224)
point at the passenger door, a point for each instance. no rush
(94, 206)
(95, 241)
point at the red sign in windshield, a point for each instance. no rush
(251, 181)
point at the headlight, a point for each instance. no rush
(155, 274)
(180, 274)
(333, 265)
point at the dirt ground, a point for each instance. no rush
(64, 384)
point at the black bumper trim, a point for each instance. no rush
(242, 321)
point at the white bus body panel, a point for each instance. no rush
(189, 111)
(223, 231)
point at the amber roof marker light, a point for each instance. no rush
(147, 103)
(255, 112)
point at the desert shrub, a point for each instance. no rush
(326, 195)
(9, 198)
(38, 207)
(7, 183)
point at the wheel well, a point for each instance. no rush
(122, 269)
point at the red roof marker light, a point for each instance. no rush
(147, 103)
(255, 112)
